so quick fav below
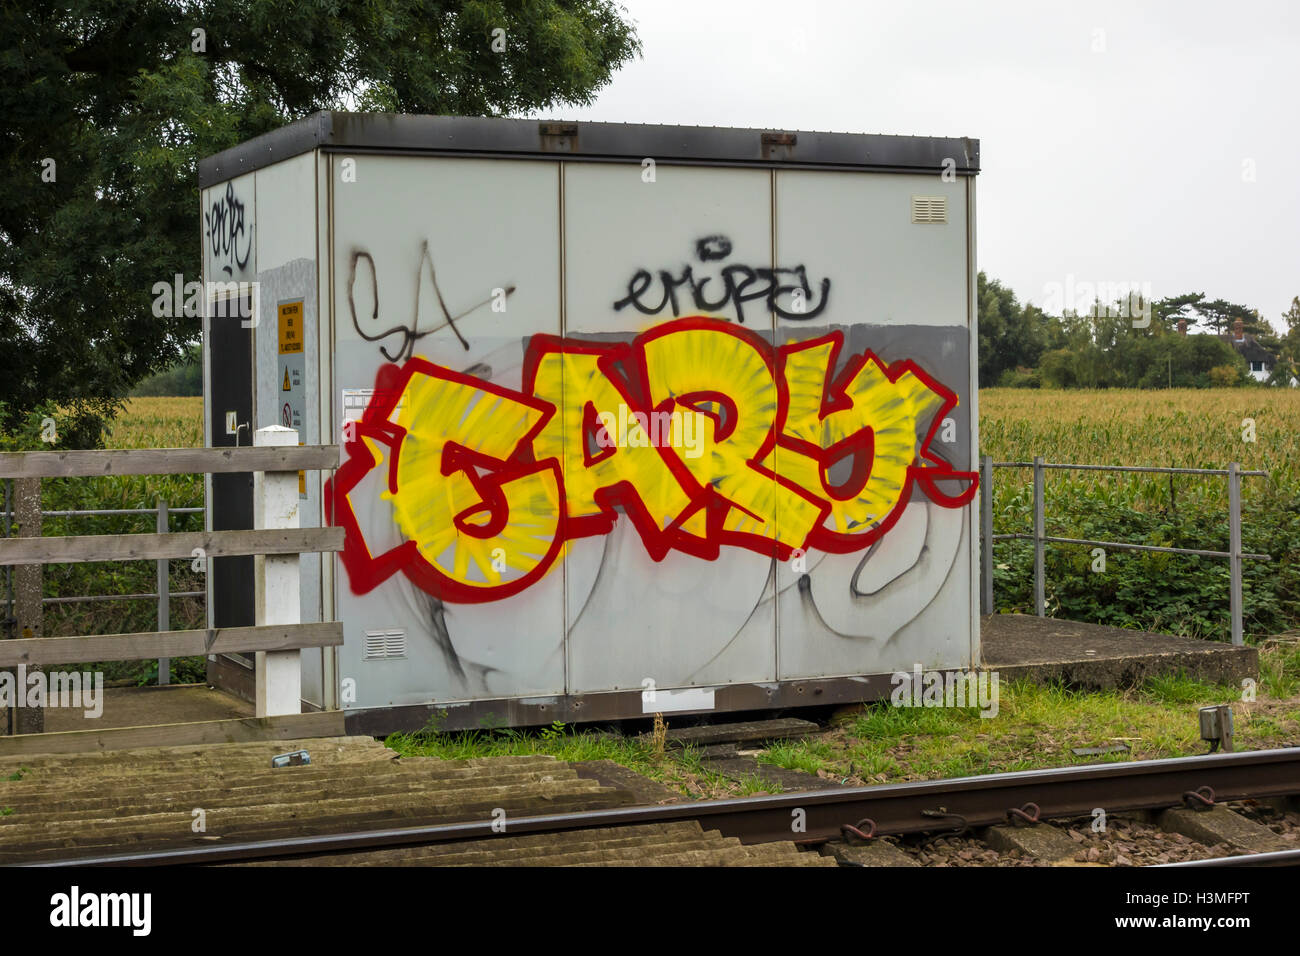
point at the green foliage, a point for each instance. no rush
(1176, 594)
(1279, 670)
(74, 426)
(553, 732)
(1020, 378)
(124, 99)
(1109, 353)
(1022, 347)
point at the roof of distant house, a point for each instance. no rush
(1250, 348)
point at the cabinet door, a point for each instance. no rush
(880, 387)
(445, 268)
(645, 260)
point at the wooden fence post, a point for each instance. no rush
(28, 592)
(275, 505)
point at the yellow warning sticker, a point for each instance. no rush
(290, 328)
(286, 386)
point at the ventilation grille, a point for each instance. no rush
(929, 209)
(385, 645)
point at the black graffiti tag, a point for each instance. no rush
(225, 223)
(739, 284)
(410, 333)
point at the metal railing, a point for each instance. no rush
(1041, 538)
(162, 595)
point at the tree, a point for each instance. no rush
(1168, 311)
(1292, 316)
(182, 378)
(106, 107)
(1009, 335)
(1288, 348)
(1220, 315)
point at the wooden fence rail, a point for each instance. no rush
(167, 461)
(75, 549)
(146, 645)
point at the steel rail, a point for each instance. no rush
(817, 816)
(1271, 858)
(1142, 469)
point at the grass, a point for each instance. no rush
(1037, 727)
(680, 770)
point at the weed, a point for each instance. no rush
(659, 735)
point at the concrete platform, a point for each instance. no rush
(1097, 657)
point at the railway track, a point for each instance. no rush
(791, 824)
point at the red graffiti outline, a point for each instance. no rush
(835, 398)
(365, 571)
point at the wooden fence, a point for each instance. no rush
(278, 636)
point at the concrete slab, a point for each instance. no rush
(646, 791)
(1043, 841)
(1220, 825)
(875, 853)
(1097, 657)
(145, 706)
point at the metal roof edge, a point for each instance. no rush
(549, 139)
(300, 136)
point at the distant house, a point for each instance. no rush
(1259, 359)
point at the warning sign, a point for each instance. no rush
(290, 327)
(292, 377)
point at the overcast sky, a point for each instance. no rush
(1120, 142)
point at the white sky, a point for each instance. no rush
(1124, 165)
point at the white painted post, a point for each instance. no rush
(275, 505)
